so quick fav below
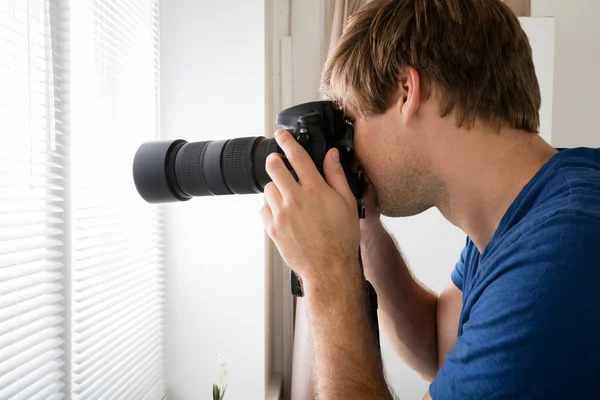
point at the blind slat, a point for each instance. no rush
(31, 304)
(131, 376)
(121, 231)
(24, 232)
(50, 371)
(28, 268)
(36, 254)
(26, 281)
(11, 221)
(110, 358)
(116, 259)
(47, 388)
(84, 322)
(21, 320)
(31, 353)
(149, 385)
(87, 338)
(125, 264)
(105, 386)
(97, 246)
(26, 373)
(28, 207)
(29, 293)
(95, 346)
(44, 332)
(109, 294)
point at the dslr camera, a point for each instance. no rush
(175, 170)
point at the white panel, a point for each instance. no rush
(307, 51)
(576, 64)
(540, 31)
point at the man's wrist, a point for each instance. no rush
(341, 280)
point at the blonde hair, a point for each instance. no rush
(472, 53)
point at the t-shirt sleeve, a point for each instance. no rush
(532, 330)
(458, 271)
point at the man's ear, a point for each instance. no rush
(409, 89)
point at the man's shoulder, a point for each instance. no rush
(581, 174)
(567, 235)
(567, 205)
(565, 191)
(533, 306)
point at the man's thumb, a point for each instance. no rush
(335, 176)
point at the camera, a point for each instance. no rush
(175, 170)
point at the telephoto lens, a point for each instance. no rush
(167, 171)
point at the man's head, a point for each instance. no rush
(406, 69)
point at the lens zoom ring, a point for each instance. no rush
(236, 163)
(189, 171)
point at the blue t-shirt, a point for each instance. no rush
(530, 322)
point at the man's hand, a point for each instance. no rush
(313, 221)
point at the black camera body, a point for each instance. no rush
(319, 126)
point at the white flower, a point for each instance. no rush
(223, 363)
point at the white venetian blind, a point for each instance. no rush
(117, 272)
(31, 206)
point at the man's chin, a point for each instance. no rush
(401, 211)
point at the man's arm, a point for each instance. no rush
(314, 226)
(422, 342)
(448, 311)
(348, 361)
(421, 327)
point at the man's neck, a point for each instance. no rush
(483, 172)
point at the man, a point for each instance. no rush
(445, 105)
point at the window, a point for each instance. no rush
(81, 270)
(31, 200)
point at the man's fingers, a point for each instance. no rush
(299, 159)
(281, 176)
(273, 197)
(335, 176)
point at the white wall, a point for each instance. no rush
(306, 49)
(213, 87)
(577, 62)
(541, 33)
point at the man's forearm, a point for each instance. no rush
(406, 309)
(348, 361)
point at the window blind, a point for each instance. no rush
(81, 263)
(117, 265)
(31, 207)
